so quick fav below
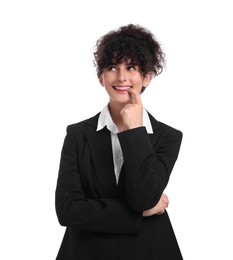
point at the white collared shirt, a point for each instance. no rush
(105, 119)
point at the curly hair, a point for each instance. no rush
(132, 43)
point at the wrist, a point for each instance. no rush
(134, 125)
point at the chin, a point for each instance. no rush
(123, 101)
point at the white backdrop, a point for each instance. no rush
(48, 81)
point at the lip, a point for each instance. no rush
(122, 88)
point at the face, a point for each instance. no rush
(117, 79)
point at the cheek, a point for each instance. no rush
(138, 82)
(137, 79)
(108, 79)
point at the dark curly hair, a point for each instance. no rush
(132, 43)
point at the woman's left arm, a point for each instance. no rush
(148, 168)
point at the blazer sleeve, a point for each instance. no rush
(74, 209)
(148, 168)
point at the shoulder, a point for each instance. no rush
(162, 128)
(80, 127)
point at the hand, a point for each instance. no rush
(133, 111)
(159, 208)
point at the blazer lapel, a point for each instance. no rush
(101, 151)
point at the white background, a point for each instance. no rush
(48, 81)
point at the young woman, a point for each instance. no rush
(115, 166)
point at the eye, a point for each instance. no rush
(131, 67)
(111, 68)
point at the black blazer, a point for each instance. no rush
(104, 220)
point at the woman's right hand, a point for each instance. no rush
(159, 208)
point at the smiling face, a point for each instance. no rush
(117, 79)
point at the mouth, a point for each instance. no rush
(122, 88)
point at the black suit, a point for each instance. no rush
(104, 220)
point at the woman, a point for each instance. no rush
(115, 166)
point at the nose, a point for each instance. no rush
(121, 75)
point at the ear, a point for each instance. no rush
(101, 81)
(146, 79)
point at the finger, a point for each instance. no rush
(165, 200)
(161, 209)
(134, 96)
(165, 197)
(164, 204)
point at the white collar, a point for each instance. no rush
(105, 119)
